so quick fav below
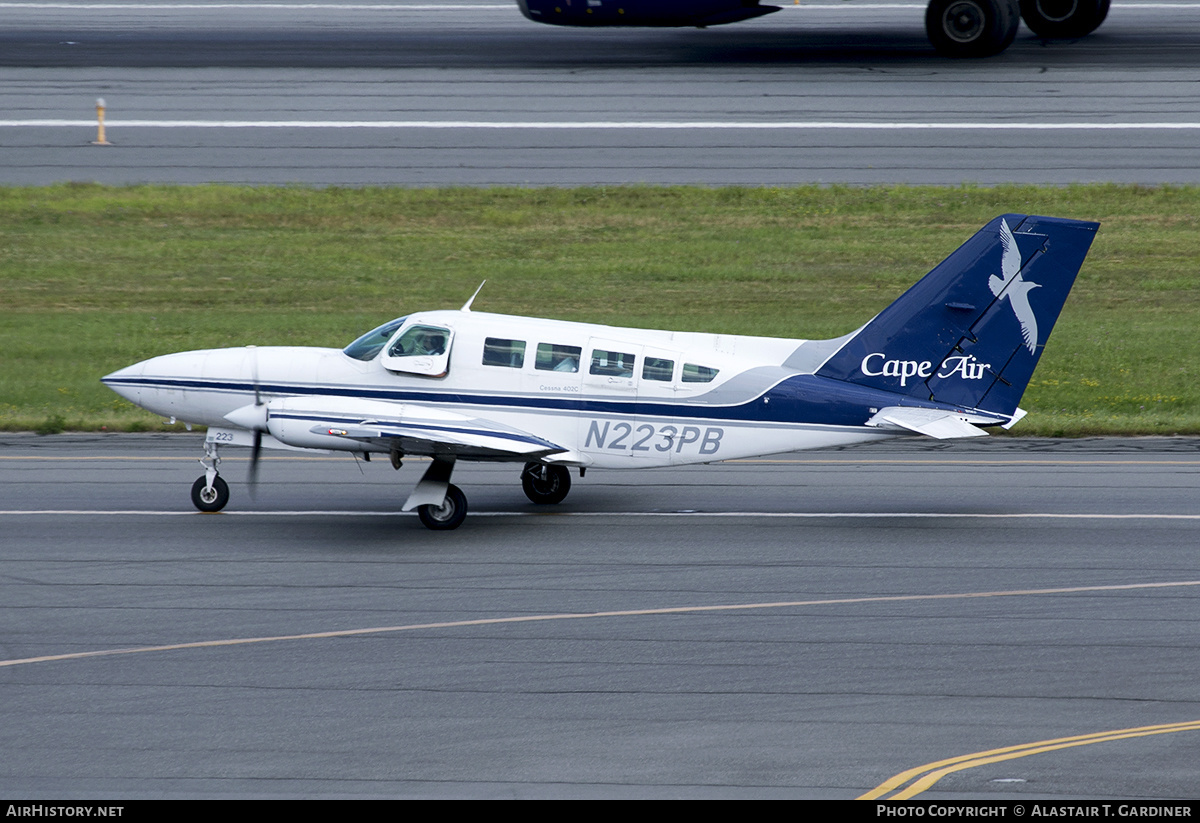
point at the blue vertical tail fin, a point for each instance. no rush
(970, 332)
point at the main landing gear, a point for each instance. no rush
(1064, 18)
(442, 506)
(981, 28)
(972, 28)
(449, 515)
(544, 484)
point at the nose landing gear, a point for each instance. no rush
(210, 498)
(210, 492)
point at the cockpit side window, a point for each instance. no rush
(370, 344)
(420, 340)
(421, 350)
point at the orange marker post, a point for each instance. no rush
(100, 141)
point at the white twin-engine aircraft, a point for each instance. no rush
(954, 353)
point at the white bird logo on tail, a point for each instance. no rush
(1014, 287)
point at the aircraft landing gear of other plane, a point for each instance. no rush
(545, 484)
(972, 28)
(449, 515)
(210, 493)
(1064, 18)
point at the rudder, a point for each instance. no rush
(971, 332)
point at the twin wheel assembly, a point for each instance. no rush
(980, 28)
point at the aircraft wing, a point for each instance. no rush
(410, 428)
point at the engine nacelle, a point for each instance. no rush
(641, 12)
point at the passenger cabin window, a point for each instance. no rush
(551, 357)
(698, 374)
(612, 363)
(656, 368)
(500, 352)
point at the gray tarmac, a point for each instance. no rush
(565, 698)
(473, 94)
(1048, 586)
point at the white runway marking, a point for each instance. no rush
(470, 6)
(543, 618)
(263, 6)
(562, 514)
(670, 125)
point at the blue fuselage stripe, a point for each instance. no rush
(803, 398)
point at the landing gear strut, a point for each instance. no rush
(210, 493)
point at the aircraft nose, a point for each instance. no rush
(126, 382)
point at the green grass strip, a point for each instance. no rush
(93, 278)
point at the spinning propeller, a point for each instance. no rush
(260, 424)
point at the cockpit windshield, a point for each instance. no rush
(370, 344)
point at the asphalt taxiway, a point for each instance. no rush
(807, 625)
(420, 94)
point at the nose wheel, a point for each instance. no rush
(210, 498)
(210, 493)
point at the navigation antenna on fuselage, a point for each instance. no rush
(467, 305)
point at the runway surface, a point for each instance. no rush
(803, 626)
(473, 94)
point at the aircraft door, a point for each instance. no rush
(609, 370)
(609, 431)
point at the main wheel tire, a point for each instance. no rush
(545, 485)
(1064, 18)
(972, 28)
(210, 500)
(449, 515)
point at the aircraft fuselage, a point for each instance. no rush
(720, 397)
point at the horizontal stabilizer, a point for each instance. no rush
(941, 425)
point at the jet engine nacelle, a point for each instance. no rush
(642, 12)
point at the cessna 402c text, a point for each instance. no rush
(952, 355)
(958, 28)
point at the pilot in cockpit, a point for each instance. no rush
(429, 343)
